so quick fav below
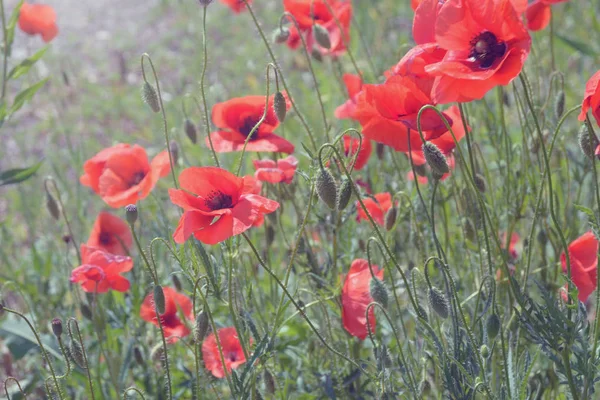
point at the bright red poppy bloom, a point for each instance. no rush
(236, 5)
(377, 207)
(172, 324)
(583, 254)
(301, 10)
(351, 146)
(356, 297)
(100, 271)
(539, 13)
(279, 171)
(111, 234)
(414, 62)
(353, 86)
(38, 19)
(217, 205)
(233, 354)
(414, 4)
(591, 99)
(122, 174)
(485, 40)
(237, 117)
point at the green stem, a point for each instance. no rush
(202, 92)
(4, 52)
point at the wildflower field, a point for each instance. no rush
(300, 199)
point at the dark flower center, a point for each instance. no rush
(485, 48)
(217, 200)
(247, 127)
(232, 357)
(137, 178)
(105, 238)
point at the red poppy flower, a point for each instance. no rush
(377, 207)
(353, 86)
(217, 205)
(591, 99)
(172, 325)
(356, 296)
(101, 271)
(38, 19)
(539, 13)
(236, 117)
(236, 5)
(111, 234)
(233, 354)
(276, 171)
(351, 146)
(485, 40)
(514, 248)
(414, 4)
(583, 254)
(122, 175)
(414, 62)
(301, 10)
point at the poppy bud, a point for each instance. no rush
(76, 353)
(205, 3)
(379, 149)
(57, 327)
(587, 141)
(156, 354)
(542, 237)
(190, 130)
(201, 326)
(131, 213)
(470, 231)
(86, 311)
(52, 206)
(279, 106)
(176, 282)
(479, 182)
(150, 97)
(137, 354)
(484, 351)
(361, 245)
(344, 194)
(559, 104)
(438, 302)
(159, 299)
(422, 313)
(327, 188)
(493, 326)
(316, 55)
(270, 236)
(421, 170)
(174, 151)
(281, 35)
(378, 292)
(390, 218)
(435, 158)
(425, 388)
(321, 36)
(269, 381)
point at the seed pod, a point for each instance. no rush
(587, 141)
(390, 218)
(435, 158)
(57, 327)
(150, 97)
(379, 292)
(76, 353)
(159, 299)
(138, 356)
(559, 104)
(321, 36)
(344, 194)
(201, 326)
(52, 206)
(281, 35)
(190, 130)
(131, 213)
(327, 188)
(280, 106)
(479, 182)
(484, 351)
(493, 326)
(438, 302)
(269, 382)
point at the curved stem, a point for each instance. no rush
(85, 358)
(4, 52)
(15, 380)
(202, 92)
(63, 213)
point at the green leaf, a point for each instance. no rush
(584, 209)
(20, 329)
(10, 28)
(25, 65)
(26, 95)
(582, 47)
(17, 175)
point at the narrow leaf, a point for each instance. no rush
(25, 65)
(18, 174)
(26, 95)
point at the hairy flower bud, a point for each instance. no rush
(316, 55)
(176, 283)
(174, 151)
(131, 213)
(201, 326)
(138, 355)
(422, 313)
(559, 104)
(86, 311)
(484, 351)
(205, 3)
(190, 130)
(156, 354)
(321, 36)
(435, 158)
(390, 218)
(76, 353)
(327, 188)
(150, 97)
(280, 106)
(480, 182)
(587, 141)
(493, 326)
(344, 194)
(159, 299)
(281, 35)
(269, 381)
(379, 292)
(52, 206)
(438, 302)
(57, 327)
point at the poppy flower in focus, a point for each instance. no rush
(276, 171)
(236, 5)
(377, 206)
(356, 296)
(310, 12)
(100, 271)
(486, 43)
(217, 205)
(237, 117)
(583, 255)
(414, 62)
(233, 354)
(122, 174)
(539, 13)
(353, 86)
(38, 19)
(254, 186)
(171, 323)
(111, 234)
(591, 99)
(351, 147)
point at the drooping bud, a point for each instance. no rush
(587, 141)
(421, 170)
(559, 104)
(174, 151)
(131, 213)
(390, 218)
(493, 326)
(138, 356)
(281, 35)
(269, 381)
(435, 158)
(76, 353)
(280, 106)
(201, 326)
(176, 283)
(190, 130)
(438, 302)
(270, 235)
(86, 311)
(159, 299)
(344, 194)
(321, 36)
(57, 327)
(327, 188)
(150, 97)
(316, 55)
(479, 182)
(484, 351)
(52, 206)
(379, 149)
(379, 292)
(156, 354)
(205, 3)
(422, 313)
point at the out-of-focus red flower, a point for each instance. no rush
(122, 175)
(279, 171)
(38, 19)
(376, 206)
(351, 146)
(111, 234)
(353, 86)
(514, 248)
(414, 4)
(233, 353)
(356, 297)
(301, 10)
(583, 255)
(217, 205)
(237, 117)
(236, 5)
(173, 326)
(539, 13)
(591, 98)
(100, 271)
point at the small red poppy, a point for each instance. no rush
(237, 117)
(122, 175)
(217, 205)
(38, 19)
(172, 325)
(414, 4)
(279, 171)
(514, 247)
(233, 353)
(591, 99)
(539, 13)
(353, 86)
(100, 271)
(351, 146)
(583, 254)
(111, 234)
(237, 6)
(356, 297)
(377, 207)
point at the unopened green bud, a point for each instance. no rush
(131, 213)
(321, 36)
(438, 302)
(190, 130)
(52, 206)
(281, 35)
(559, 104)
(201, 326)
(390, 218)
(484, 351)
(344, 194)
(587, 141)
(435, 158)
(138, 355)
(150, 97)
(316, 55)
(174, 151)
(159, 299)
(269, 381)
(176, 283)
(479, 182)
(378, 292)
(493, 326)
(76, 353)
(327, 188)
(57, 327)
(280, 106)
